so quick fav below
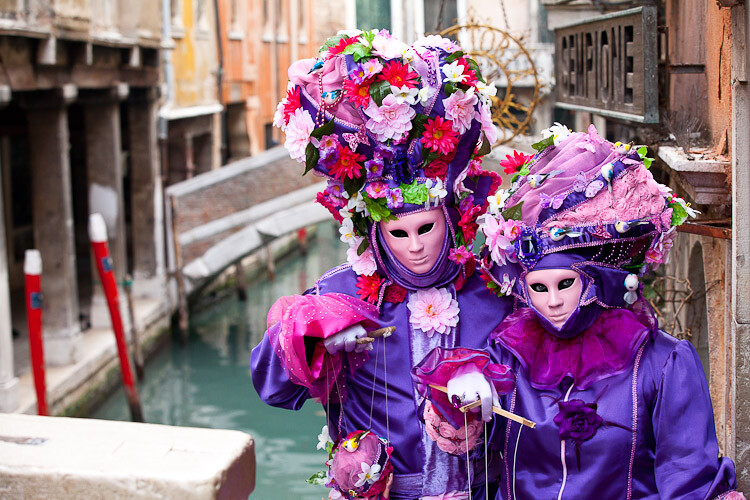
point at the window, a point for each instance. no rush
(373, 14)
(439, 14)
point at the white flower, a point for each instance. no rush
(454, 72)
(486, 90)
(558, 132)
(361, 264)
(278, 116)
(435, 191)
(497, 201)
(347, 230)
(345, 213)
(357, 202)
(323, 438)
(298, 132)
(690, 211)
(507, 285)
(388, 48)
(334, 494)
(433, 310)
(405, 94)
(425, 94)
(369, 475)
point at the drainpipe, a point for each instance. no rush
(219, 83)
(166, 34)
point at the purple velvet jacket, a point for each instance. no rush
(645, 431)
(420, 467)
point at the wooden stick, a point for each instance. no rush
(499, 411)
(382, 332)
(365, 340)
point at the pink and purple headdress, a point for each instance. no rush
(395, 129)
(585, 203)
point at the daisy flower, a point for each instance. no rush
(368, 288)
(397, 74)
(347, 165)
(513, 163)
(439, 135)
(433, 311)
(358, 93)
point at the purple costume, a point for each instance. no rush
(622, 409)
(381, 165)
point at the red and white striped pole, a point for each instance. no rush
(98, 237)
(32, 268)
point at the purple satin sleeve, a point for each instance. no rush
(270, 379)
(687, 463)
(439, 366)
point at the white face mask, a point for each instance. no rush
(554, 293)
(416, 239)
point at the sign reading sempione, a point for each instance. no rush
(608, 65)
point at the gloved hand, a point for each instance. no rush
(469, 384)
(346, 340)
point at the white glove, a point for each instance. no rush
(470, 385)
(346, 340)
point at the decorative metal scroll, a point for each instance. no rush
(505, 61)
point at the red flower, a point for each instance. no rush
(291, 103)
(439, 135)
(323, 200)
(437, 168)
(513, 163)
(347, 165)
(464, 276)
(343, 43)
(359, 95)
(471, 76)
(398, 74)
(368, 288)
(395, 294)
(468, 223)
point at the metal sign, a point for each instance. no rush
(608, 65)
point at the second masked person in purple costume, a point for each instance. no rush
(622, 408)
(398, 131)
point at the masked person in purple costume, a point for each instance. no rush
(398, 131)
(622, 408)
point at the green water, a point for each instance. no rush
(207, 383)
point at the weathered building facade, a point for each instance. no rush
(80, 89)
(672, 74)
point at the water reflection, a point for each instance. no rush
(207, 383)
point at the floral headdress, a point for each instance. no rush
(584, 195)
(395, 129)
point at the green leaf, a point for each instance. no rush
(642, 151)
(513, 212)
(318, 479)
(369, 36)
(333, 41)
(429, 157)
(360, 224)
(357, 51)
(379, 91)
(450, 88)
(378, 208)
(417, 126)
(363, 246)
(453, 56)
(679, 214)
(648, 292)
(647, 162)
(485, 148)
(415, 193)
(475, 68)
(326, 129)
(354, 185)
(329, 448)
(312, 155)
(544, 143)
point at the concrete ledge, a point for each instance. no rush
(66, 458)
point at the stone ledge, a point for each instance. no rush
(66, 458)
(704, 177)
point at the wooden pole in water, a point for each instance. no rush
(32, 269)
(239, 276)
(137, 354)
(182, 308)
(98, 237)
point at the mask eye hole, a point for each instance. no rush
(426, 228)
(538, 287)
(398, 233)
(566, 283)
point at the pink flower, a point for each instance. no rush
(513, 163)
(459, 107)
(391, 120)
(361, 264)
(484, 116)
(298, 132)
(460, 255)
(433, 310)
(377, 189)
(501, 247)
(448, 438)
(475, 167)
(394, 198)
(592, 140)
(439, 135)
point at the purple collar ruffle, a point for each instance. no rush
(603, 350)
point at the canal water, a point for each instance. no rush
(207, 383)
